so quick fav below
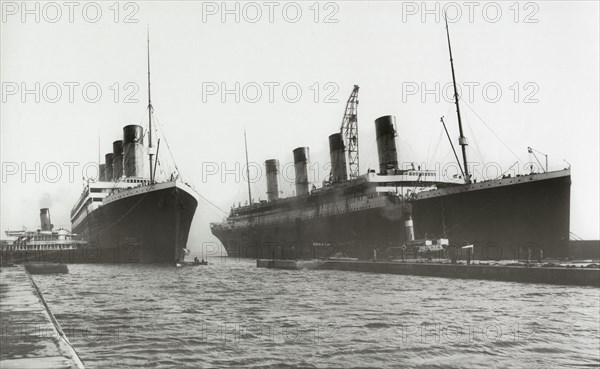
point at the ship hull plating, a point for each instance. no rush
(501, 218)
(503, 222)
(148, 227)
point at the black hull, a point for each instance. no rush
(502, 222)
(149, 227)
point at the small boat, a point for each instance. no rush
(192, 263)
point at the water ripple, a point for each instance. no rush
(231, 314)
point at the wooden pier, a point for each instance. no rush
(30, 337)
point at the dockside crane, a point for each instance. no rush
(349, 130)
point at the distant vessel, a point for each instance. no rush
(127, 215)
(43, 244)
(362, 215)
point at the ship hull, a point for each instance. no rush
(501, 218)
(506, 222)
(151, 226)
(353, 235)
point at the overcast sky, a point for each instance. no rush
(528, 72)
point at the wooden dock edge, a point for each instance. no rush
(20, 295)
(548, 275)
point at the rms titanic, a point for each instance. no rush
(354, 214)
(128, 214)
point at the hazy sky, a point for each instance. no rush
(529, 71)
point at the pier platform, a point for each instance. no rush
(30, 336)
(559, 275)
(288, 264)
(535, 274)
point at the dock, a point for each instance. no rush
(30, 336)
(550, 275)
(558, 275)
(288, 264)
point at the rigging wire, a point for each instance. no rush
(428, 151)
(405, 143)
(236, 197)
(472, 133)
(160, 164)
(162, 133)
(439, 140)
(575, 236)
(256, 191)
(447, 155)
(506, 171)
(369, 156)
(211, 203)
(437, 147)
(491, 130)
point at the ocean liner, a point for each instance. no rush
(128, 214)
(362, 215)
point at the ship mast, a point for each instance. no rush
(462, 140)
(247, 170)
(150, 153)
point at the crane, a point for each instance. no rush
(349, 130)
(533, 151)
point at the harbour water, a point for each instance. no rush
(232, 314)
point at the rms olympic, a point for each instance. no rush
(129, 214)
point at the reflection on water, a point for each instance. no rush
(231, 313)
